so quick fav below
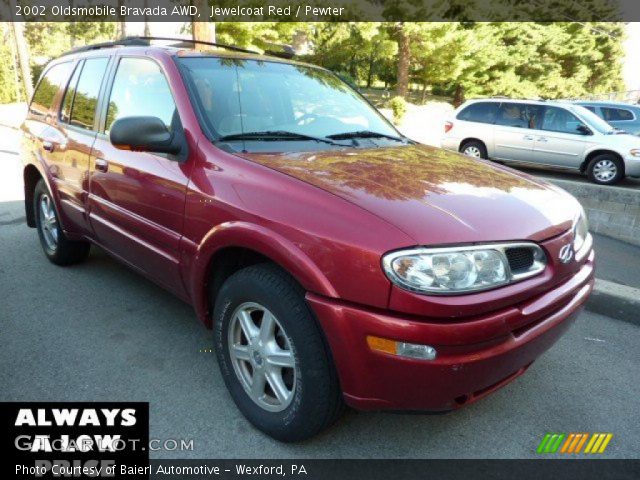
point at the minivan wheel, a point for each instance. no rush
(474, 149)
(605, 169)
(272, 355)
(56, 246)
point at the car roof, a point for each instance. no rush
(176, 51)
(606, 103)
(518, 100)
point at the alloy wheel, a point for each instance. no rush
(472, 151)
(262, 357)
(605, 170)
(48, 222)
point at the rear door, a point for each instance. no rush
(514, 132)
(42, 136)
(137, 199)
(77, 121)
(558, 141)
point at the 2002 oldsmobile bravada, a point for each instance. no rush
(337, 261)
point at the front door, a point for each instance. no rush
(137, 199)
(559, 142)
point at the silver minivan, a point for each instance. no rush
(543, 133)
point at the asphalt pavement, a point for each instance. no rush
(99, 331)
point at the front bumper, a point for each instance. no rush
(475, 357)
(632, 166)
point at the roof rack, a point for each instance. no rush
(146, 41)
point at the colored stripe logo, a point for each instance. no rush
(574, 443)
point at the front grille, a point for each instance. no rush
(520, 259)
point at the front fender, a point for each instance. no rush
(266, 242)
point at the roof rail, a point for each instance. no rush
(146, 41)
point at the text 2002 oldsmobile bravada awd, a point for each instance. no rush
(336, 261)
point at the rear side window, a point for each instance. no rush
(67, 101)
(589, 107)
(482, 112)
(85, 99)
(519, 115)
(140, 89)
(46, 90)
(616, 114)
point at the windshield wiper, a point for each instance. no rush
(364, 134)
(276, 135)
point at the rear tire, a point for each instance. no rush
(605, 169)
(308, 384)
(56, 246)
(474, 149)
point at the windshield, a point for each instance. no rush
(592, 119)
(237, 97)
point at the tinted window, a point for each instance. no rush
(590, 108)
(140, 88)
(518, 115)
(483, 112)
(560, 120)
(83, 111)
(241, 96)
(53, 80)
(616, 114)
(67, 102)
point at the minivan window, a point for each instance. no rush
(85, 99)
(518, 115)
(46, 90)
(482, 112)
(67, 102)
(237, 97)
(140, 89)
(560, 120)
(616, 114)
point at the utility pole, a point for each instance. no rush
(204, 31)
(23, 54)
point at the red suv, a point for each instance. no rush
(337, 261)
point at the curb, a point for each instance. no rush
(616, 301)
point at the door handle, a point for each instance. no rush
(102, 165)
(527, 137)
(543, 139)
(48, 146)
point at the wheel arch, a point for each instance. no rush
(464, 141)
(230, 247)
(596, 152)
(31, 176)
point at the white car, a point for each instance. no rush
(543, 133)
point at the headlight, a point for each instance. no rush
(581, 235)
(635, 152)
(454, 270)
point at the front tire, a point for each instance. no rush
(56, 246)
(474, 149)
(605, 169)
(272, 355)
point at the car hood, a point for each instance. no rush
(432, 195)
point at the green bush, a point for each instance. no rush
(398, 106)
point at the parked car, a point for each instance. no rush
(542, 133)
(617, 114)
(336, 261)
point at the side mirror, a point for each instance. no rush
(584, 130)
(143, 134)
